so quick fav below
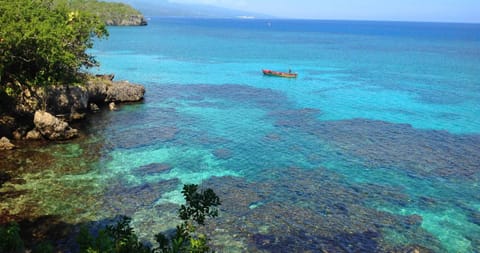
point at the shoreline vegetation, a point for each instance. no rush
(43, 47)
(43, 86)
(119, 237)
(112, 13)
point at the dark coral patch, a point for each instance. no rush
(152, 168)
(357, 242)
(295, 118)
(312, 210)
(426, 152)
(223, 153)
(120, 199)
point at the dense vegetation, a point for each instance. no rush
(121, 238)
(44, 42)
(109, 12)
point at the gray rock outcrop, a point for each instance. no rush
(55, 99)
(29, 100)
(125, 92)
(105, 91)
(69, 102)
(53, 128)
(67, 99)
(132, 20)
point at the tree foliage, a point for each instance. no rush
(121, 238)
(108, 12)
(199, 205)
(44, 42)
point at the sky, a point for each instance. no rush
(394, 10)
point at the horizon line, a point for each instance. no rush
(320, 19)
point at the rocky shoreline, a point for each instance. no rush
(45, 113)
(133, 20)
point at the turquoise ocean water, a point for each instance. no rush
(375, 147)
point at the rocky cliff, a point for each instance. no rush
(45, 112)
(133, 20)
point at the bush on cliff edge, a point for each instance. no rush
(44, 42)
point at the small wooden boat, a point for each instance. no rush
(288, 74)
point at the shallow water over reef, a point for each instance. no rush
(346, 158)
(297, 183)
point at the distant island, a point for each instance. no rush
(112, 13)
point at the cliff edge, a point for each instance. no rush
(44, 112)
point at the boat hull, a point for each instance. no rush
(268, 72)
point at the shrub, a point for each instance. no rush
(199, 205)
(121, 237)
(44, 42)
(10, 240)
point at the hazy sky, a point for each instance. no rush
(412, 10)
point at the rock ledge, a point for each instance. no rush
(52, 107)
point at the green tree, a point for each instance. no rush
(199, 205)
(121, 237)
(44, 42)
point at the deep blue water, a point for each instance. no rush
(375, 147)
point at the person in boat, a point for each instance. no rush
(289, 71)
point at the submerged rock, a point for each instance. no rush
(120, 198)
(222, 153)
(53, 128)
(413, 221)
(153, 168)
(5, 144)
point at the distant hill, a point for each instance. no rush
(113, 13)
(163, 8)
